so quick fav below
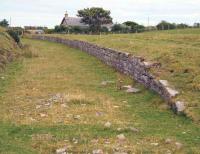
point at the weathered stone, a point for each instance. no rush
(132, 90)
(180, 106)
(119, 129)
(63, 105)
(164, 82)
(168, 141)
(38, 106)
(43, 115)
(97, 151)
(133, 129)
(172, 92)
(107, 125)
(127, 87)
(61, 150)
(155, 144)
(77, 117)
(178, 145)
(121, 137)
(104, 83)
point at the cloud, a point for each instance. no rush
(50, 12)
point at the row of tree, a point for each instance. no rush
(96, 18)
(127, 27)
(164, 25)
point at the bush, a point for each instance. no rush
(120, 28)
(4, 23)
(60, 29)
(14, 35)
(164, 25)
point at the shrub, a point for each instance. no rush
(4, 23)
(14, 35)
(120, 28)
(164, 25)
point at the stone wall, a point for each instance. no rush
(125, 63)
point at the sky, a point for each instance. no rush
(50, 12)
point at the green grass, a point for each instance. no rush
(177, 50)
(78, 76)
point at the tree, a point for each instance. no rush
(135, 27)
(60, 29)
(95, 17)
(164, 25)
(4, 23)
(120, 28)
(14, 35)
(182, 26)
(196, 25)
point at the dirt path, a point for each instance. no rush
(62, 99)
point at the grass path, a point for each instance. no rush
(57, 100)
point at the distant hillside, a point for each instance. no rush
(9, 50)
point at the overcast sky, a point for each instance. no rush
(50, 12)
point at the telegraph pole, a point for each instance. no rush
(10, 21)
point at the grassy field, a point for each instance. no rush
(57, 100)
(177, 50)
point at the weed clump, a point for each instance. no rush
(29, 51)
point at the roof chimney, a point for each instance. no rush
(66, 14)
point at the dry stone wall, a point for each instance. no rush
(125, 63)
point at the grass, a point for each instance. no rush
(9, 50)
(177, 50)
(62, 75)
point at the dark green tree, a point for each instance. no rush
(164, 25)
(14, 35)
(60, 29)
(4, 23)
(182, 26)
(120, 28)
(135, 27)
(95, 17)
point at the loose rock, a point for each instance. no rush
(178, 145)
(105, 83)
(168, 141)
(77, 117)
(133, 129)
(63, 105)
(61, 151)
(43, 115)
(164, 82)
(155, 144)
(107, 124)
(180, 107)
(98, 151)
(172, 92)
(121, 137)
